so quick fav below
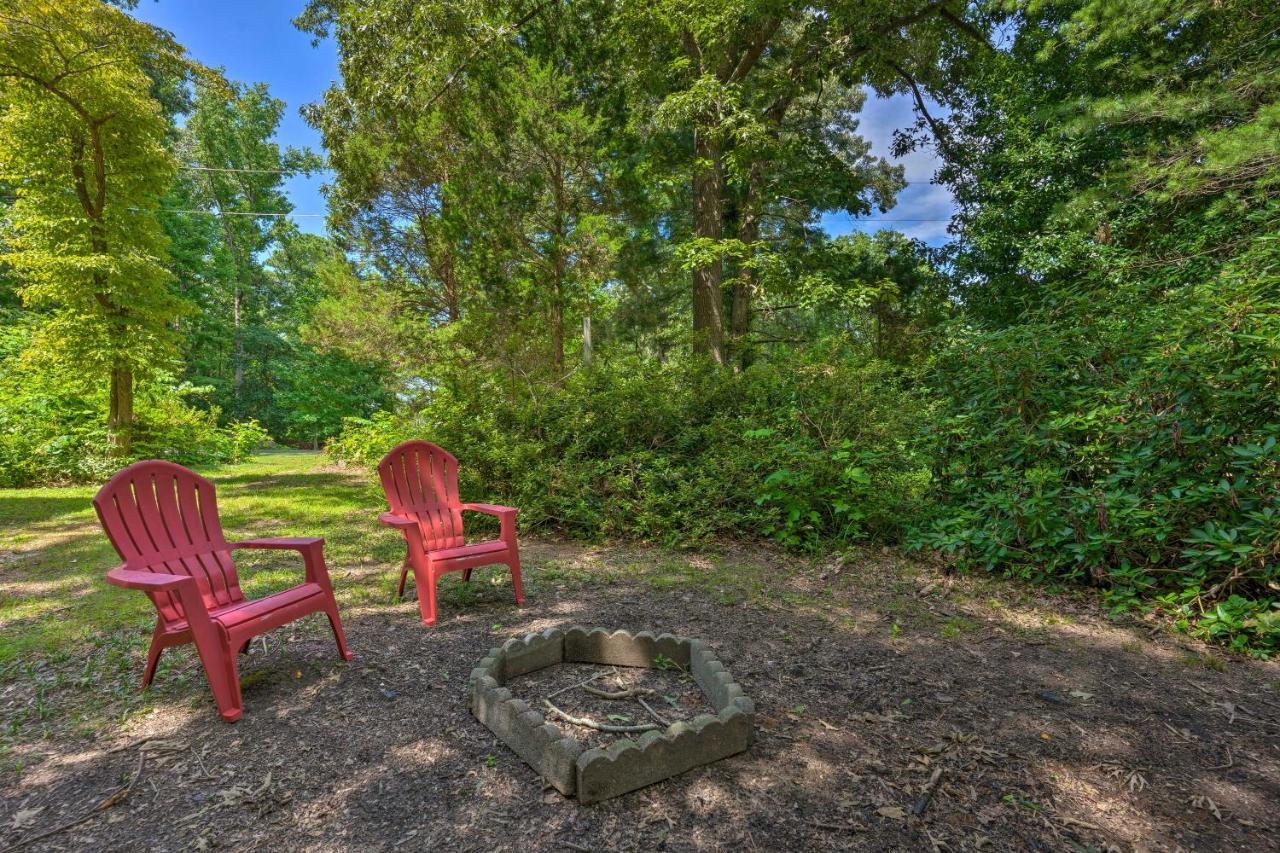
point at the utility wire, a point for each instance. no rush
(192, 168)
(231, 212)
(323, 215)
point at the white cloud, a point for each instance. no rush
(923, 208)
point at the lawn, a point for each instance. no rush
(1046, 722)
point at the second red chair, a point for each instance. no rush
(421, 484)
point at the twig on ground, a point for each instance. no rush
(107, 802)
(927, 794)
(629, 693)
(579, 684)
(122, 747)
(653, 713)
(592, 724)
(200, 760)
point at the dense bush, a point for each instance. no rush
(1128, 439)
(53, 434)
(822, 449)
(68, 443)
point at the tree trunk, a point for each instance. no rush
(586, 339)
(745, 284)
(238, 347)
(559, 265)
(708, 189)
(557, 332)
(448, 276)
(450, 282)
(120, 416)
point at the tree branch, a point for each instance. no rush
(939, 132)
(752, 54)
(964, 26)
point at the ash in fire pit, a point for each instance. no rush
(663, 746)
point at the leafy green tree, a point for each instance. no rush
(82, 148)
(732, 75)
(1110, 412)
(235, 174)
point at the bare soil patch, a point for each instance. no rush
(897, 709)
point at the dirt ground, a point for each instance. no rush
(1041, 724)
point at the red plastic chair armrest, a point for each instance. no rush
(491, 509)
(311, 548)
(390, 519)
(146, 581)
(412, 532)
(283, 543)
(505, 514)
(183, 586)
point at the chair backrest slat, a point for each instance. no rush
(163, 518)
(420, 480)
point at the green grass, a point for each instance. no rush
(75, 644)
(54, 556)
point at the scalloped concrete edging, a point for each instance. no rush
(598, 774)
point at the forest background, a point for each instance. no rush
(577, 244)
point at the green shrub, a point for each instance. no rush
(1129, 439)
(820, 449)
(51, 434)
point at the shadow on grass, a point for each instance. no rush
(20, 514)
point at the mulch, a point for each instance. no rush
(1009, 731)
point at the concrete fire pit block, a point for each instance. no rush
(598, 774)
(610, 648)
(532, 653)
(628, 765)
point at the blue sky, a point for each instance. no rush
(255, 41)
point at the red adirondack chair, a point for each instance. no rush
(163, 521)
(421, 484)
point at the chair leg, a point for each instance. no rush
(514, 563)
(331, 610)
(233, 683)
(221, 669)
(466, 575)
(427, 598)
(404, 573)
(153, 658)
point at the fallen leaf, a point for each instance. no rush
(1081, 695)
(26, 817)
(1046, 736)
(1202, 802)
(892, 811)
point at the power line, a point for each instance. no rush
(323, 215)
(232, 212)
(192, 168)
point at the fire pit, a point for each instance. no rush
(600, 773)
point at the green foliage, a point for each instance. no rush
(1110, 410)
(82, 146)
(817, 451)
(1135, 447)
